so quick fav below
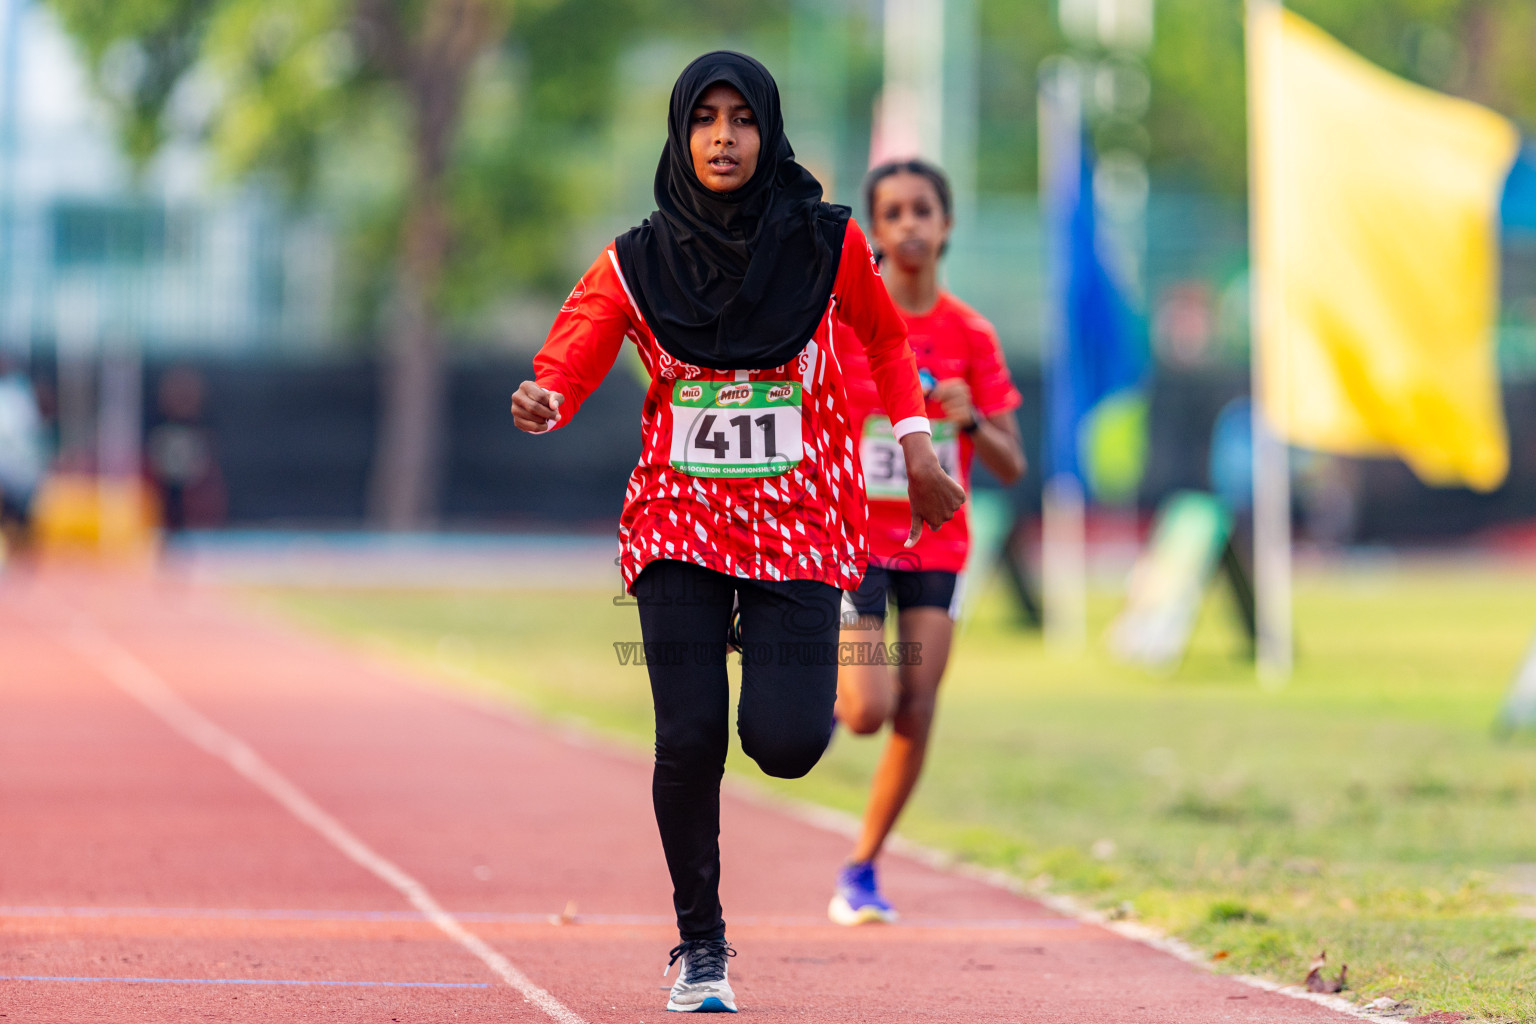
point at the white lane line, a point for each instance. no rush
(146, 686)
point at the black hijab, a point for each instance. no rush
(737, 280)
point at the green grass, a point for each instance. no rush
(1363, 809)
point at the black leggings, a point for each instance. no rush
(788, 686)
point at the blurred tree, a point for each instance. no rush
(1197, 120)
(1015, 36)
(453, 142)
(1479, 49)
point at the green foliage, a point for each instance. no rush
(290, 75)
(138, 51)
(303, 96)
(570, 68)
(1015, 36)
(530, 159)
(1475, 48)
(1198, 118)
(1479, 49)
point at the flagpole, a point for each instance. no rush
(1271, 462)
(912, 93)
(1064, 544)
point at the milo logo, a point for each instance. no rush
(736, 394)
(780, 392)
(690, 393)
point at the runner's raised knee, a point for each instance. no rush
(861, 719)
(785, 756)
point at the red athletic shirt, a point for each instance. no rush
(753, 473)
(950, 340)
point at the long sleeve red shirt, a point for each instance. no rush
(753, 473)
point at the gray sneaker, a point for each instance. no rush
(701, 986)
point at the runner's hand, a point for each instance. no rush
(933, 495)
(954, 395)
(534, 409)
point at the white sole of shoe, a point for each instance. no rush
(711, 1004)
(841, 913)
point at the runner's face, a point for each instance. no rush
(910, 223)
(723, 139)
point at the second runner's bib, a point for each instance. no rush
(736, 428)
(885, 464)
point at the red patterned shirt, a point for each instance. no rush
(950, 340)
(753, 473)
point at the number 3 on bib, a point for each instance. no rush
(885, 464)
(736, 428)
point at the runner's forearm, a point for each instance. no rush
(999, 447)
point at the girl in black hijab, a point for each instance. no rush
(739, 279)
(745, 518)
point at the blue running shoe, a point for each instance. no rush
(858, 899)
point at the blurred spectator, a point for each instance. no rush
(22, 455)
(1231, 459)
(1185, 323)
(181, 456)
(1329, 495)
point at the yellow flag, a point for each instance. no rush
(1376, 208)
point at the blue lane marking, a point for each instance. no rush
(252, 981)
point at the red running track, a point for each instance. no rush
(209, 817)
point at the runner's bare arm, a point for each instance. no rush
(1000, 448)
(996, 437)
(994, 401)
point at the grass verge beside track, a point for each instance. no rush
(1364, 809)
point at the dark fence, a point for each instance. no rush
(294, 443)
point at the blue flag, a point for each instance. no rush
(1097, 346)
(1517, 208)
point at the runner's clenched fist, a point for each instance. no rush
(535, 409)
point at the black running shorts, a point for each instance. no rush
(909, 588)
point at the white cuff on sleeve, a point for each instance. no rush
(911, 425)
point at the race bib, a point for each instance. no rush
(885, 465)
(736, 428)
